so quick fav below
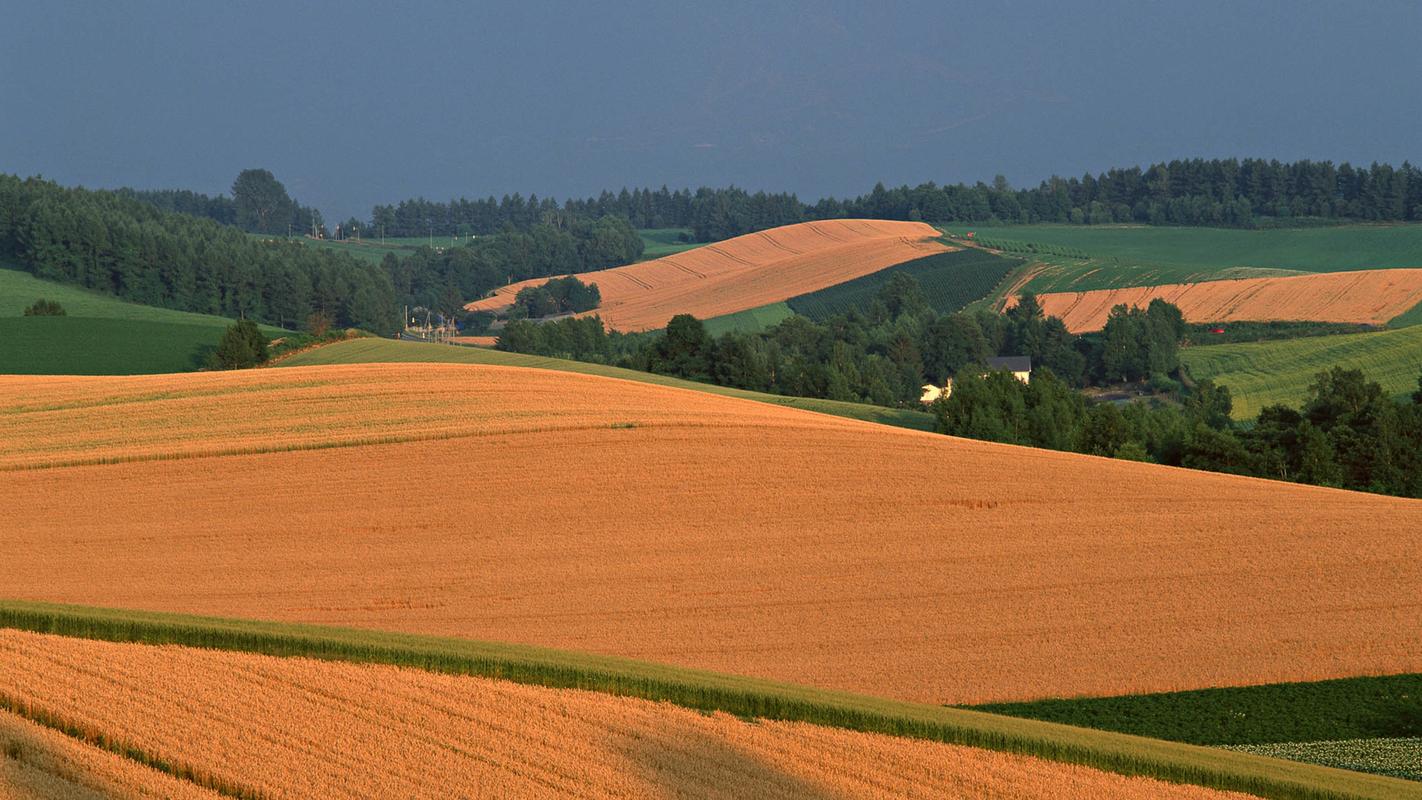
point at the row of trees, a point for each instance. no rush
(111, 242)
(259, 204)
(445, 280)
(883, 356)
(1347, 434)
(1222, 192)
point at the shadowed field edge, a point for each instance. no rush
(708, 691)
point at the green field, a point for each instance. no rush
(1120, 255)
(1262, 373)
(660, 242)
(950, 281)
(100, 334)
(708, 691)
(1348, 708)
(752, 320)
(366, 351)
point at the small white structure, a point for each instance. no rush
(1019, 366)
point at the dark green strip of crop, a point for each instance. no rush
(1347, 708)
(707, 691)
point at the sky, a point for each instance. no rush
(352, 104)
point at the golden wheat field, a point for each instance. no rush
(744, 272)
(598, 515)
(1368, 296)
(298, 728)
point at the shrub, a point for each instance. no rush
(45, 308)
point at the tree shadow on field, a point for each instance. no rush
(696, 764)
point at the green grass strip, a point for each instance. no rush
(708, 691)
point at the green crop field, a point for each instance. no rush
(1400, 758)
(99, 334)
(1262, 373)
(1348, 708)
(950, 282)
(366, 351)
(660, 242)
(1083, 257)
(708, 691)
(752, 320)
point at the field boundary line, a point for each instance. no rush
(98, 739)
(708, 691)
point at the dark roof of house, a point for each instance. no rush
(1011, 363)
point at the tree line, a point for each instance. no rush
(111, 242)
(445, 280)
(1216, 192)
(883, 355)
(1348, 433)
(259, 204)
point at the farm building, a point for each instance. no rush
(1019, 366)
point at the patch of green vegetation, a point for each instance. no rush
(1262, 373)
(1349, 708)
(752, 320)
(99, 334)
(1400, 758)
(78, 346)
(659, 242)
(1112, 256)
(1202, 333)
(1408, 318)
(366, 351)
(708, 691)
(950, 281)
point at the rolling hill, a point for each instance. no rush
(99, 334)
(1373, 297)
(201, 714)
(745, 272)
(1262, 373)
(615, 517)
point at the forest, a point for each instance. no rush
(117, 244)
(1215, 192)
(259, 204)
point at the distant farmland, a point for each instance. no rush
(745, 272)
(950, 281)
(691, 529)
(1261, 373)
(1086, 257)
(1372, 297)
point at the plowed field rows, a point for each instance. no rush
(745, 272)
(348, 730)
(1367, 296)
(597, 515)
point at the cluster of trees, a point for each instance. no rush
(1138, 343)
(242, 345)
(713, 214)
(558, 296)
(1221, 192)
(1347, 434)
(44, 308)
(259, 204)
(883, 355)
(445, 280)
(104, 240)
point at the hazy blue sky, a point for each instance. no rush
(354, 103)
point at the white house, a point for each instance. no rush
(1019, 366)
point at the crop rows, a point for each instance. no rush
(1030, 249)
(950, 281)
(1365, 296)
(352, 730)
(1399, 758)
(1263, 373)
(745, 272)
(710, 532)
